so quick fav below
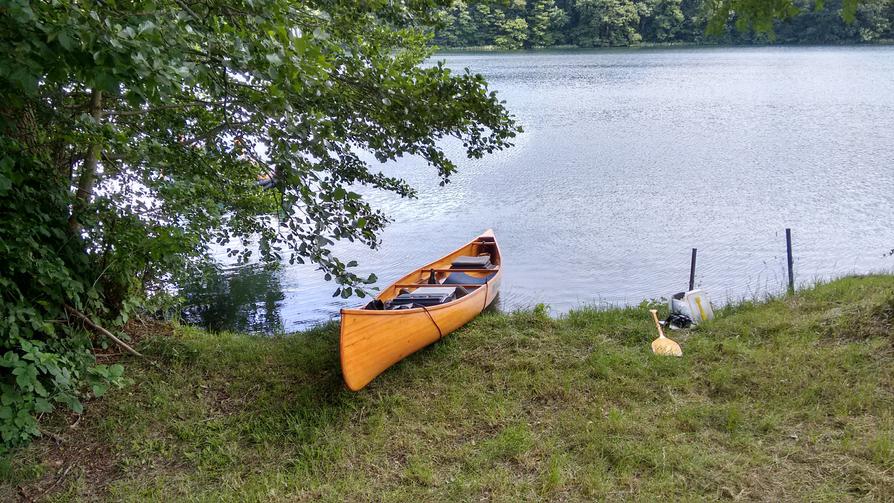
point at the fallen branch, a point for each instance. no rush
(59, 478)
(57, 438)
(101, 330)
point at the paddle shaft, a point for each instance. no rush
(657, 324)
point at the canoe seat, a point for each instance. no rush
(471, 262)
(461, 278)
(424, 297)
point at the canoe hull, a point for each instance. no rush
(371, 341)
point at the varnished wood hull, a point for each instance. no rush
(371, 341)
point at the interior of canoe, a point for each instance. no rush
(450, 278)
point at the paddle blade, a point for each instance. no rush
(666, 347)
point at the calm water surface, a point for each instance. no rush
(628, 160)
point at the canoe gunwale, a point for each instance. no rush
(495, 273)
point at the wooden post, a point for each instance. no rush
(788, 251)
(692, 270)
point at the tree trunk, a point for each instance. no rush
(88, 172)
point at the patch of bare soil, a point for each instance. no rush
(68, 452)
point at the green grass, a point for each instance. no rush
(789, 399)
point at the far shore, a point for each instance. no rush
(648, 45)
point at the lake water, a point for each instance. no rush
(629, 159)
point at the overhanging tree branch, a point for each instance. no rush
(159, 108)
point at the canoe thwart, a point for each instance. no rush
(416, 285)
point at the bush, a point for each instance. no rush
(133, 137)
(46, 360)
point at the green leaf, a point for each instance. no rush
(116, 371)
(39, 388)
(65, 41)
(74, 404)
(99, 390)
(25, 377)
(42, 405)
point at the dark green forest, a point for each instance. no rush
(517, 24)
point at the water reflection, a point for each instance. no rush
(244, 299)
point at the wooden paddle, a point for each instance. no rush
(662, 345)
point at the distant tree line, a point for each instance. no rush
(516, 24)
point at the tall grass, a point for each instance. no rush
(787, 398)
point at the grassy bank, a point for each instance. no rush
(789, 399)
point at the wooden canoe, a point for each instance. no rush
(373, 340)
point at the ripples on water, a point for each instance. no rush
(630, 158)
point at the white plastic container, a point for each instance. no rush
(695, 304)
